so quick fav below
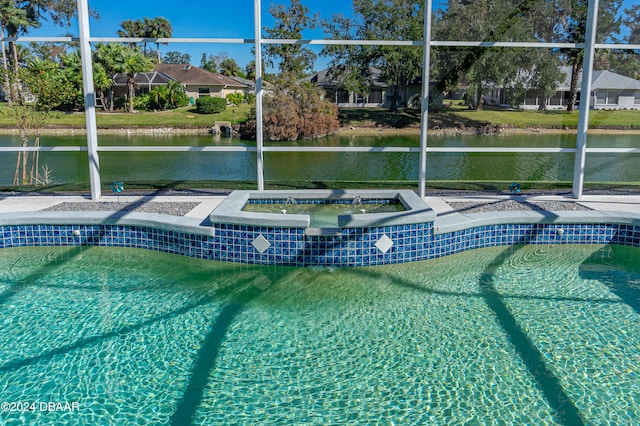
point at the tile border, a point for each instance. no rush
(289, 246)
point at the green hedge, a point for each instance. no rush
(210, 105)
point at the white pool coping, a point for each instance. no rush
(230, 210)
(182, 224)
(21, 210)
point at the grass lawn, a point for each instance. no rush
(454, 115)
(185, 117)
(459, 116)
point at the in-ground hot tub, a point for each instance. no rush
(367, 227)
(323, 209)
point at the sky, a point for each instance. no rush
(203, 18)
(198, 18)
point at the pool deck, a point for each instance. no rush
(206, 204)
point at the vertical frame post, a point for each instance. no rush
(89, 99)
(259, 93)
(426, 74)
(585, 99)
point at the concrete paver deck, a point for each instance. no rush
(30, 203)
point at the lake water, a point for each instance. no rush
(69, 167)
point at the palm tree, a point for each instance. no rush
(105, 56)
(102, 82)
(159, 95)
(133, 61)
(72, 71)
(10, 17)
(120, 59)
(157, 28)
(177, 94)
(147, 28)
(131, 28)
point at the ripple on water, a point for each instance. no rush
(134, 336)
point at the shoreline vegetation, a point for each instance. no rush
(343, 131)
(454, 119)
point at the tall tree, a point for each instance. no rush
(209, 63)
(627, 62)
(293, 109)
(47, 50)
(250, 70)
(544, 75)
(157, 27)
(33, 90)
(175, 57)
(543, 65)
(631, 21)
(71, 65)
(575, 32)
(486, 20)
(43, 87)
(59, 12)
(131, 63)
(356, 66)
(117, 58)
(108, 56)
(293, 60)
(132, 29)
(230, 68)
(11, 18)
(102, 83)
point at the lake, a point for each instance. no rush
(70, 167)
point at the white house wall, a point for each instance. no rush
(626, 99)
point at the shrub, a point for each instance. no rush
(142, 102)
(293, 113)
(119, 103)
(235, 98)
(210, 105)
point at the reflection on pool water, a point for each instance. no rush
(507, 335)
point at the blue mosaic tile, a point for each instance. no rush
(290, 246)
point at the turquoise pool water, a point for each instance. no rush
(325, 214)
(509, 335)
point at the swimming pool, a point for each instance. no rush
(534, 334)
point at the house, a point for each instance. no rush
(144, 82)
(380, 92)
(614, 91)
(199, 82)
(609, 91)
(251, 84)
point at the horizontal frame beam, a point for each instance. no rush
(217, 40)
(173, 148)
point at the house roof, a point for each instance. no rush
(153, 78)
(601, 80)
(610, 80)
(189, 74)
(322, 79)
(244, 81)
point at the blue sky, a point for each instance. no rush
(197, 18)
(201, 18)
